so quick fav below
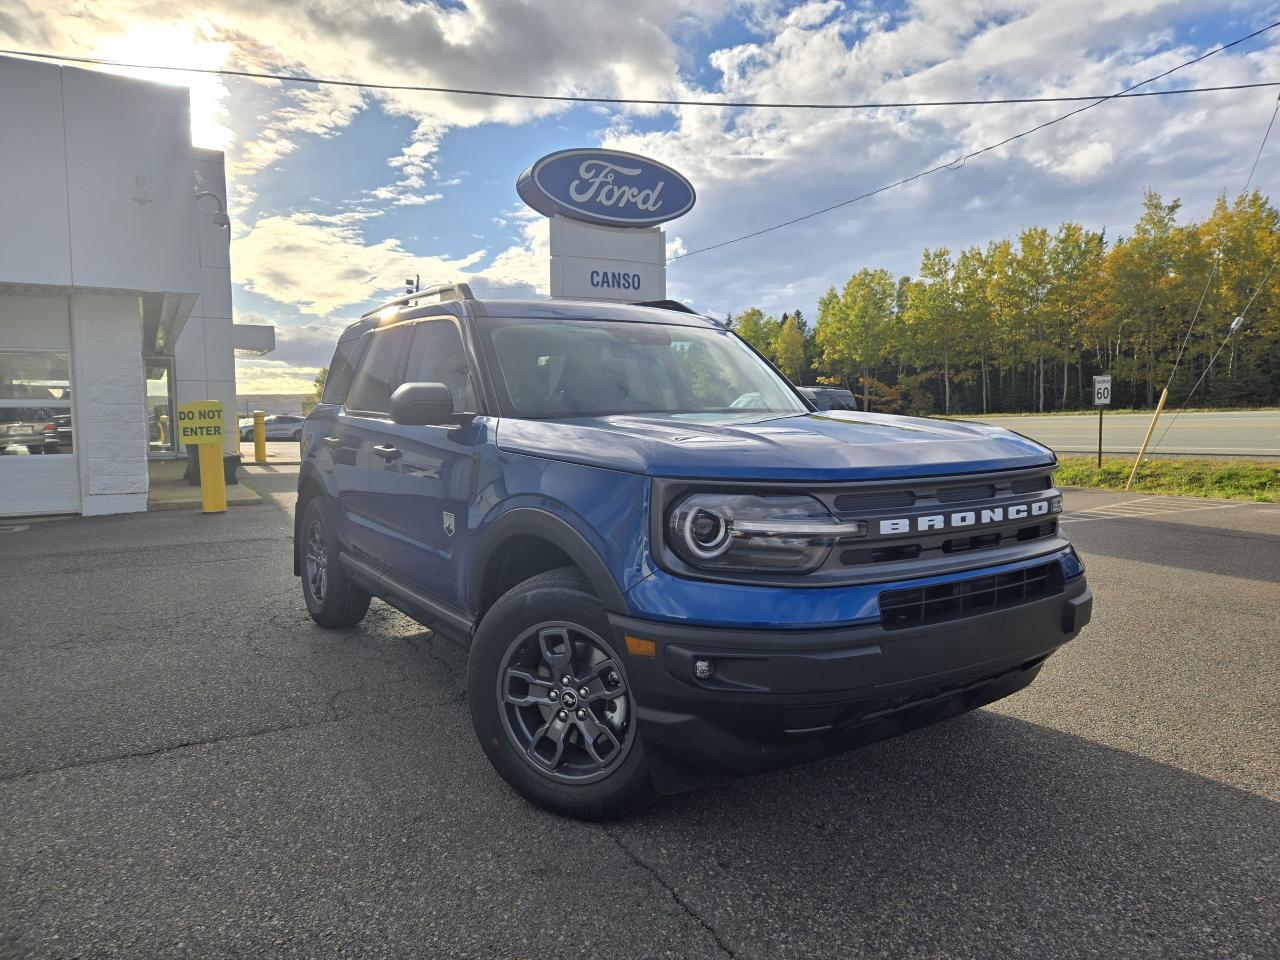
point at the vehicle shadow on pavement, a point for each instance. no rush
(1247, 555)
(984, 836)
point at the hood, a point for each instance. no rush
(832, 446)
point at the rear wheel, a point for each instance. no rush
(333, 600)
(551, 701)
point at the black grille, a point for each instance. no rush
(976, 492)
(888, 552)
(1031, 485)
(849, 502)
(950, 601)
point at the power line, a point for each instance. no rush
(620, 101)
(1208, 282)
(1235, 328)
(961, 160)
(1261, 146)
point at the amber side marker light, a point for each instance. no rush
(641, 648)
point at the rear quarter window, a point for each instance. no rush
(341, 370)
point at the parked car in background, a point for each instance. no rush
(829, 398)
(37, 429)
(283, 426)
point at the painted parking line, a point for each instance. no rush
(1145, 507)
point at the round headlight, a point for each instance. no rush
(707, 531)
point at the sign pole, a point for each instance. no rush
(1101, 399)
(1100, 408)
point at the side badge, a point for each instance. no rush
(448, 523)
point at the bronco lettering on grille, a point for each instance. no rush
(967, 518)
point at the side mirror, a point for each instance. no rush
(422, 404)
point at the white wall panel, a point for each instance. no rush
(110, 412)
(188, 352)
(131, 184)
(33, 322)
(35, 244)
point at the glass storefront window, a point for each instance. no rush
(160, 416)
(35, 402)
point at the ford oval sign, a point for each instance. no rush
(606, 187)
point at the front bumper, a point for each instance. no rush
(780, 697)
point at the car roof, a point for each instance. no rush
(589, 310)
(549, 310)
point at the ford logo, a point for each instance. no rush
(606, 187)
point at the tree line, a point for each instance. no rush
(1024, 324)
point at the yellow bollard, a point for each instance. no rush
(164, 430)
(200, 423)
(213, 483)
(259, 437)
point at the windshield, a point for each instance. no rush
(589, 368)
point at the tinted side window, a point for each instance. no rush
(437, 356)
(341, 370)
(378, 373)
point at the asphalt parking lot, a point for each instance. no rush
(188, 767)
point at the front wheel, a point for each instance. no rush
(333, 600)
(551, 701)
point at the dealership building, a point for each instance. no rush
(115, 286)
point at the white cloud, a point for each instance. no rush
(417, 199)
(751, 168)
(259, 375)
(321, 266)
(316, 111)
(1088, 161)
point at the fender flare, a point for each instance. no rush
(308, 473)
(533, 521)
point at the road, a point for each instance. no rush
(188, 767)
(1239, 433)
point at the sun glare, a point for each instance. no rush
(188, 45)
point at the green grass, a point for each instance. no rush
(1257, 480)
(1093, 412)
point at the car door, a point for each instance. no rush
(362, 424)
(423, 477)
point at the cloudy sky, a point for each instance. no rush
(339, 194)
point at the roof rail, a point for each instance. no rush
(438, 294)
(666, 305)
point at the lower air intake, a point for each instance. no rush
(963, 598)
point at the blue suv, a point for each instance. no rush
(666, 565)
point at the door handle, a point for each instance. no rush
(331, 442)
(387, 452)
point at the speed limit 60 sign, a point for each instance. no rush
(1101, 391)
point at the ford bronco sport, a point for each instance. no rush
(665, 564)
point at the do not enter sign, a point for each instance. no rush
(200, 422)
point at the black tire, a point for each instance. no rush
(576, 783)
(297, 436)
(333, 600)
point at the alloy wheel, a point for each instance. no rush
(317, 557)
(565, 703)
